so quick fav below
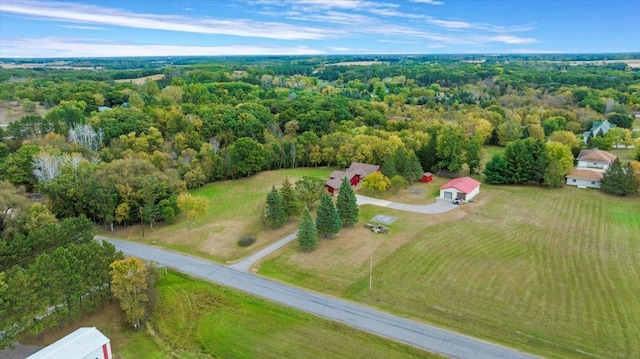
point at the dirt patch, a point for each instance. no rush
(11, 111)
(141, 80)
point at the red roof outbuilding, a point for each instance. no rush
(462, 184)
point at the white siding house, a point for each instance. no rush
(584, 178)
(464, 188)
(84, 343)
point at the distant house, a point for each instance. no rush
(598, 128)
(595, 159)
(427, 177)
(584, 178)
(103, 108)
(464, 188)
(591, 166)
(84, 343)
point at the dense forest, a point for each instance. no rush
(115, 152)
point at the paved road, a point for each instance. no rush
(357, 316)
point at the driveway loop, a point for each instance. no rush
(381, 218)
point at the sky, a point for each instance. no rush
(115, 28)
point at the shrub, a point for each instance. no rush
(246, 240)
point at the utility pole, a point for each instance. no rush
(371, 271)
(141, 222)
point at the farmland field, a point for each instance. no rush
(551, 272)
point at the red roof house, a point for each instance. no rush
(464, 188)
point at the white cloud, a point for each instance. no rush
(510, 39)
(107, 16)
(450, 24)
(430, 2)
(79, 27)
(74, 47)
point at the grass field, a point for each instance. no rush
(551, 272)
(196, 319)
(234, 209)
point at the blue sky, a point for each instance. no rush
(91, 28)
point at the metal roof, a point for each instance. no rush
(76, 345)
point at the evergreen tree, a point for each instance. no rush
(399, 161)
(307, 232)
(347, 205)
(288, 194)
(412, 170)
(328, 221)
(275, 214)
(619, 179)
(389, 166)
(428, 154)
(495, 171)
(525, 161)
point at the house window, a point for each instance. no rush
(595, 164)
(574, 181)
(593, 182)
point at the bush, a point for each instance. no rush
(246, 240)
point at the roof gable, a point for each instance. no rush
(462, 184)
(78, 344)
(585, 175)
(363, 168)
(596, 155)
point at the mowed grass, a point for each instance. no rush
(234, 208)
(551, 272)
(196, 319)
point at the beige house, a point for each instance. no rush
(591, 167)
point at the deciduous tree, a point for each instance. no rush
(376, 181)
(130, 279)
(193, 205)
(559, 162)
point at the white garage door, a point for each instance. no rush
(448, 195)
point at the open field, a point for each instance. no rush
(141, 80)
(235, 208)
(12, 111)
(196, 319)
(551, 272)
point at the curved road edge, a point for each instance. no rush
(357, 316)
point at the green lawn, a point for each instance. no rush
(551, 272)
(197, 319)
(234, 208)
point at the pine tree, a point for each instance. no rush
(495, 171)
(347, 205)
(307, 232)
(389, 166)
(275, 214)
(412, 170)
(328, 221)
(289, 199)
(619, 179)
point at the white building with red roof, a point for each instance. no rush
(464, 188)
